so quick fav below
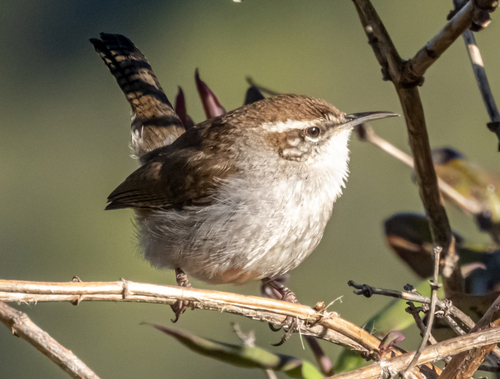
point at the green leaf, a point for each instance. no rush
(244, 356)
(306, 370)
(349, 360)
(469, 179)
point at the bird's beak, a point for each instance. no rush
(359, 118)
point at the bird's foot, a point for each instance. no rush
(275, 289)
(180, 306)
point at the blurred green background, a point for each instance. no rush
(64, 148)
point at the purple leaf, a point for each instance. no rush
(390, 340)
(210, 102)
(180, 109)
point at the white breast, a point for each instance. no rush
(265, 230)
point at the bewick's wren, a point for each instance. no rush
(244, 196)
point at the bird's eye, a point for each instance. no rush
(313, 132)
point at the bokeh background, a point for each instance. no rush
(64, 148)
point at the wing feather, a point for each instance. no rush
(173, 176)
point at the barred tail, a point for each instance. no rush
(154, 121)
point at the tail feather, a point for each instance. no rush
(154, 121)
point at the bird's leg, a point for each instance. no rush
(274, 288)
(179, 307)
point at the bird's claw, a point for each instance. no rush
(291, 324)
(275, 328)
(180, 306)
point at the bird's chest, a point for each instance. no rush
(271, 228)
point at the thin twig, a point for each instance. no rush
(432, 312)
(271, 374)
(491, 315)
(444, 306)
(414, 311)
(480, 74)
(426, 56)
(367, 291)
(432, 353)
(23, 327)
(454, 326)
(482, 82)
(465, 364)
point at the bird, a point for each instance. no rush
(241, 197)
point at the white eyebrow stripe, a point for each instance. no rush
(288, 125)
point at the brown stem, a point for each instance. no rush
(482, 82)
(430, 354)
(326, 325)
(432, 312)
(23, 327)
(427, 55)
(465, 364)
(394, 69)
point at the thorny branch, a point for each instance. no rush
(440, 351)
(444, 306)
(415, 312)
(317, 321)
(447, 310)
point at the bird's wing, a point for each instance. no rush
(173, 178)
(154, 121)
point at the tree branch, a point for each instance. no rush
(416, 67)
(23, 327)
(393, 68)
(319, 323)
